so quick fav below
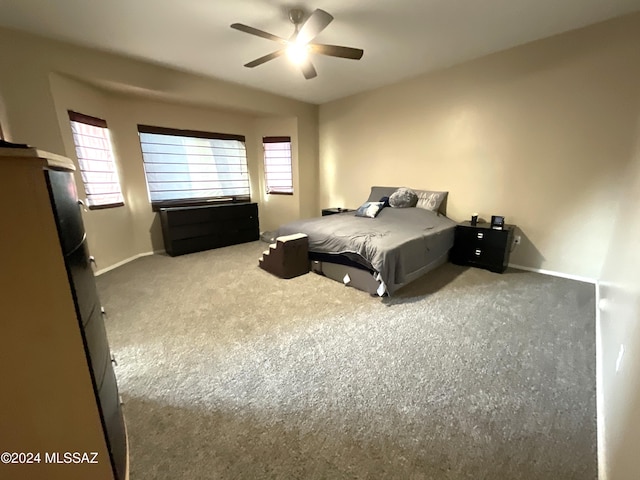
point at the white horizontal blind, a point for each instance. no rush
(96, 161)
(185, 167)
(277, 165)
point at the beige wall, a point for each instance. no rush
(538, 133)
(279, 209)
(619, 362)
(123, 232)
(110, 231)
(48, 78)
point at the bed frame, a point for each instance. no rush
(364, 279)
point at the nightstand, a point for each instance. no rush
(333, 211)
(482, 246)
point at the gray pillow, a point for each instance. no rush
(369, 209)
(403, 198)
(378, 192)
(430, 200)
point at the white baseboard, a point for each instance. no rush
(555, 274)
(126, 260)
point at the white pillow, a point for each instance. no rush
(430, 200)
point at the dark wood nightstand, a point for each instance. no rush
(333, 211)
(482, 246)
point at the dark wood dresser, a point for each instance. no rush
(60, 392)
(193, 229)
(482, 246)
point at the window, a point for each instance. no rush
(96, 161)
(185, 167)
(277, 165)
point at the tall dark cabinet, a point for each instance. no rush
(59, 388)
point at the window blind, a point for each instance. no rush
(96, 161)
(277, 165)
(186, 167)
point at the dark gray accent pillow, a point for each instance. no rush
(369, 209)
(403, 198)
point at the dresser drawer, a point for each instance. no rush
(173, 217)
(113, 421)
(220, 228)
(196, 244)
(62, 189)
(83, 282)
(95, 337)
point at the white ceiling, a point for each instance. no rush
(401, 38)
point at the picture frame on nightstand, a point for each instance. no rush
(497, 222)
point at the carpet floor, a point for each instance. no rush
(230, 373)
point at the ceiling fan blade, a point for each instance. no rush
(338, 51)
(266, 58)
(259, 33)
(316, 23)
(308, 69)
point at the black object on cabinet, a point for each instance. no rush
(56, 358)
(193, 229)
(482, 246)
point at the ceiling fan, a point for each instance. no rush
(299, 45)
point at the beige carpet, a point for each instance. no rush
(230, 373)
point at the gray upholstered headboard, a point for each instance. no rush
(378, 192)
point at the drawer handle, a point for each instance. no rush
(113, 360)
(83, 205)
(480, 235)
(102, 310)
(478, 252)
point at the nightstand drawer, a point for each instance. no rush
(483, 256)
(482, 237)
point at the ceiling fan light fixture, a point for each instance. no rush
(301, 44)
(298, 52)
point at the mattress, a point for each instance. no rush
(398, 245)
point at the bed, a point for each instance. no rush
(381, 254)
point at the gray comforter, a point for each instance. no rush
(397, 244)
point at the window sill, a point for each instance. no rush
(156, 206)
(104, 207)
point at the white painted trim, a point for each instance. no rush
(600, 420)
(126, 260)
(555, 274)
